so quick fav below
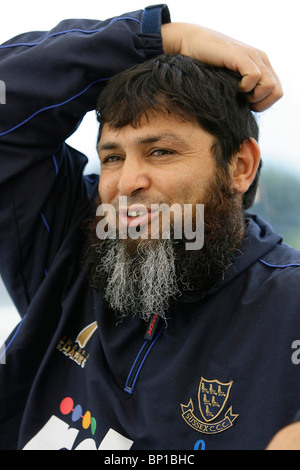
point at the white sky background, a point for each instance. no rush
(270, 25)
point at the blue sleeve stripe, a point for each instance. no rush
(45, 222)
(55, 165)
(57, 105)
(67, 31)
(292, 265)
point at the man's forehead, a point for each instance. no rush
(150, 138)
(151, 130)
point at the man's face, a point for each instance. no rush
(164, 160)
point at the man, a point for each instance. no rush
(159, 126)
(83, 369)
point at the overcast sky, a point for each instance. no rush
(270, 25)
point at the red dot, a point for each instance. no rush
(66, 405)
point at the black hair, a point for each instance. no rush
(195, 92)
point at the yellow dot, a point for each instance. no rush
(86, 421)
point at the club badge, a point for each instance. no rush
(212, 398)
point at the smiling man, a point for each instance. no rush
(139, 342)
(159, 144)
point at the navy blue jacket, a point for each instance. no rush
(223, 374)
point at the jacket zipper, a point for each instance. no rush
(150, 338)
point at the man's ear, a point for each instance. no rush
(244, 165)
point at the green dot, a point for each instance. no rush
(93, 425)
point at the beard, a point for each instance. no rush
(143, 277)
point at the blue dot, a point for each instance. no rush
(77, 413)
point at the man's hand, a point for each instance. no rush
(211, 47)
(287, 438)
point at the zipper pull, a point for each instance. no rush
(152, 326)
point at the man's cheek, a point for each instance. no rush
(107, 188)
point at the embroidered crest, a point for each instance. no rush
(212, 398)
(75, 350)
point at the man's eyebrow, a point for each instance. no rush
(156, 138)
(108, 146)
(151, 139)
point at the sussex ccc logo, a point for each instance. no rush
(212, 398)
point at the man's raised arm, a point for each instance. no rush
(52, 80)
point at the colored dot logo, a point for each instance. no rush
(67, 406)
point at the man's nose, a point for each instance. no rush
(133, 177)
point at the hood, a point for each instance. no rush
(259, 239)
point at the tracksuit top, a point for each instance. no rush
(222, 373)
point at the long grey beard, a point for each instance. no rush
(141, 278)
(141, 284)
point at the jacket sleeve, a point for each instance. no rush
(52, 80)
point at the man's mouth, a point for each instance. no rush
(136, 215)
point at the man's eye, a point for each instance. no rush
(161, 152)
(111, 158)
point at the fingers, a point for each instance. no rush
(259, 80)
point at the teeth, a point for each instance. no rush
(134, 213)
